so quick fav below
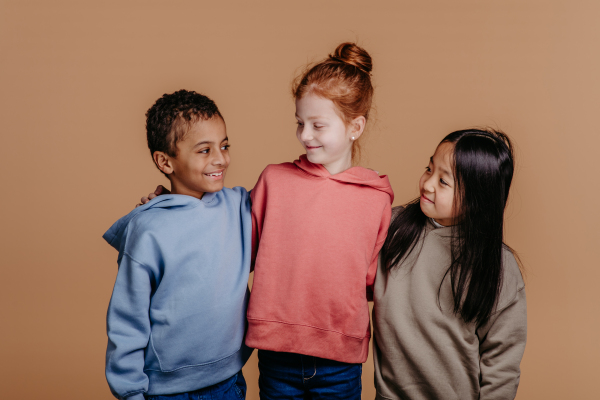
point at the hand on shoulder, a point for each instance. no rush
(160, 189)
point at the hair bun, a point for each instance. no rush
(351, 54)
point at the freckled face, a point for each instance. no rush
(437, 186)
(202, 159)
(323, 133)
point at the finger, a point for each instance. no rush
(137, 205)
(158, 190)
(151, 196)
(144, 200)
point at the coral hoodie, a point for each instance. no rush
(318, 238)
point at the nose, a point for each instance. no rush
(306, 134)
(428, 185)
(219, 159)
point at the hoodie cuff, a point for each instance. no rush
(137, 396)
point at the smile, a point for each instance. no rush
(215, 174)
(425, 199)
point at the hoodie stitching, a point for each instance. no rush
(154, 350)
(309, 326)
(125, 253)
(197, 365)
(312, 176)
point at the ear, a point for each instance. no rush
(163, 162)
(357, 126)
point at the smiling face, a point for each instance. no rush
(324, 135)
(437, 186)
(202, 159)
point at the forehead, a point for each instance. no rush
(442, 157)
(211, 130)
(310, 106)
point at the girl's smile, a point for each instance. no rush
(425, 199)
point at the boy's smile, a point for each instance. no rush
(202, 159)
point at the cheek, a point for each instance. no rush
(299, 134)
(422, 181)
(448, 200)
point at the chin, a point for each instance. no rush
(315, 159)
(425, 211)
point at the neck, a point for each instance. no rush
(339, 166)
(177, 188)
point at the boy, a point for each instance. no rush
(177, 315)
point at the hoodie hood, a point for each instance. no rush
(355, 175)
(116, 234)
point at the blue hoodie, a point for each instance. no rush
(177, 316)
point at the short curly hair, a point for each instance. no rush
(170, 118)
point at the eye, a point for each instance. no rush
(299, 123)
(318, 126)
(225, 147)
(204, 151)
(443, 182)
(427, 169)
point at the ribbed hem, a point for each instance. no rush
(196, 377)
(137, 396)
(307, 340)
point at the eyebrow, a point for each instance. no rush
(210, 142)
(312, 117)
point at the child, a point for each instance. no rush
(176, 318)
(450, 313)
(319, 224)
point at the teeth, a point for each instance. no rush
(219, 174)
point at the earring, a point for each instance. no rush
(352, 137)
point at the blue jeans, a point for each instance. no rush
(233, 388)
(298, 377)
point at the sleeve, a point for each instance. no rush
(258, 197)
(128, 329)
(501, 347)
(381, 235)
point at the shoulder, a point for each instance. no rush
(148, 221)
(238, 196)
(276, 172)
(512, 272)
(512, 279)
(278, 169)
(236, 192)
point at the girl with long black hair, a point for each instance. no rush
(450, 318)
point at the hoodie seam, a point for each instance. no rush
(132, 393)
(126, 253)
(312, 176)
(196, 365)
(154, 350)
(138, 215)
(309, 326)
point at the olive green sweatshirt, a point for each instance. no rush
(422, 350)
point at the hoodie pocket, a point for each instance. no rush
(174, 347)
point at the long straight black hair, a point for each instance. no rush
(483, 167)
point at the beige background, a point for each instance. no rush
(76, 79)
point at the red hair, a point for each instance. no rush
(345, 79)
